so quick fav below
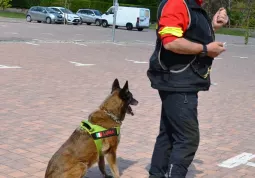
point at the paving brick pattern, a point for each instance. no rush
(45, 100)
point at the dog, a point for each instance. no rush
(95, 138)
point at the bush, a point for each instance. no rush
(26, 4)
(5, 4)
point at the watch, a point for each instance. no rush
(204, 52)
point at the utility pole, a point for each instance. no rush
(65, 16)
(116, 6)
(229, 8)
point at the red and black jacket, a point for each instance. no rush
(170, 71)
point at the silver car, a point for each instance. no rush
(43, 14)
(90, 16)
(70, 17)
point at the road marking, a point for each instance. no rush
(140, 41)
(9, 67)
(241, 45)
(80, 44)
(238, 160)
(242, 57)
(140, 62)
(32, 27)
(214, 84)
(119, 44)
(32, 43)
(218, 58)
(80, 64)
(47, 34)
(137, 62)
(116, 43)
(144, 42)
(13, 33)
(251, 164)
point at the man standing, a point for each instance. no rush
(179, 68)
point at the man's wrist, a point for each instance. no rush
(204, 51)
(200, 48)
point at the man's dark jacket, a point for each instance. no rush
(183, 73)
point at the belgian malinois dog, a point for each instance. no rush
(94, 138)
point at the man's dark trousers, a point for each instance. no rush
(178, 138)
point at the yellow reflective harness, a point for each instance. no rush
(97, 132)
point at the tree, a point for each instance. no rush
(5, 4)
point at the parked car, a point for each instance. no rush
(90, 16)
(43, 14)
(68, 15)
(129, 17)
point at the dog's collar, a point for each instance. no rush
(114, 117)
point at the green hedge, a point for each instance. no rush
(238, 18)
(24, 3)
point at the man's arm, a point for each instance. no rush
(173, 23)
(183, 46)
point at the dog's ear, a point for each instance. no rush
(115, 85)
(125, 89)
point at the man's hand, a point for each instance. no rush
(214, 49)
(220, 19)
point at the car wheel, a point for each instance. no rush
(97, 22)
(140, 29)
(104, 24)
(129, 26)
(29, 19)
(48, 20)
(88, 23)
(39, 21)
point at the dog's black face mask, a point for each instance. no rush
(125, 95)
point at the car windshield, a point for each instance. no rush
(97, 12)
(66, 11)
(50, 10)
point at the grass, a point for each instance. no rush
(224, 31)
(231, 31)
(12, 15)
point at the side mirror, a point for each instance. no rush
(106, 13)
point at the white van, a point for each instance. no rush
(129, 17)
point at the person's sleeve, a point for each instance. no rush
(174, 21)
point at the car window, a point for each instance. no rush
(98, 13)
(32, 8)
(39, 9)
(111, 10)
(85, 12)
(90, 12)
(67, 11)
(50, 10)
(81, 11)
(57, 10)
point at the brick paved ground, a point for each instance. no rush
(45, 99)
